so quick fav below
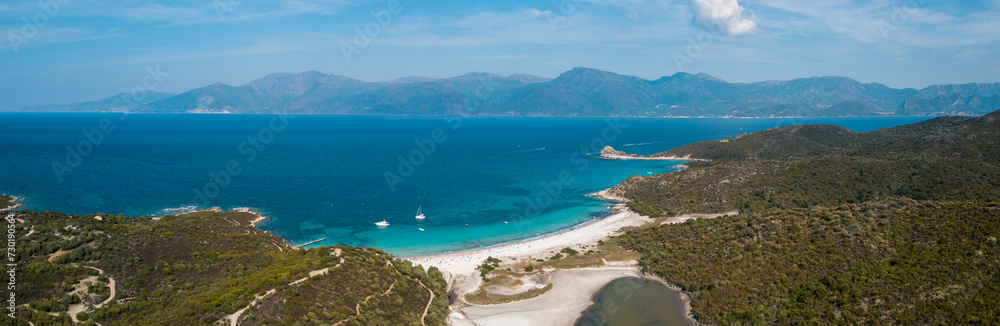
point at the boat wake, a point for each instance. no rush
(640, 144)
(527, 150)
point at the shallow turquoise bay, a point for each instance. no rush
(334, 176)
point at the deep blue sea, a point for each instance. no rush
(333, 176)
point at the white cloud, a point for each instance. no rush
(723, 16)
(538, 13)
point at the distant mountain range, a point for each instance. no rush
(578, 92)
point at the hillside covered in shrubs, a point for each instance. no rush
(894, 226)
(206, 268)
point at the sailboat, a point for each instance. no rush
(420, 215)
(382, 224)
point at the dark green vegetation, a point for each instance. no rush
(488, 266)
(578, 92)
(6, 201)
(194, 269)
(895, 226)
(569, 251)
(383, 294)
(635, 301)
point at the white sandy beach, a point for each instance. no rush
(465, 262)
(572, 289)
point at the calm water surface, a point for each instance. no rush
(634, 301)
(480, 181)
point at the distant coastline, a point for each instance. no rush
(576, 92)
(460, 266)
(489, 115)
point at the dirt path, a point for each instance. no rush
(111, 285)
(429, 302)
(76, 309)
(357, 307)
(234, 318)
(312, 274)
(54, 255)
(686, 217)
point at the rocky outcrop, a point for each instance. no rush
(13, 201)
(611, 153)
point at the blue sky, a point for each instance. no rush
(90, 49)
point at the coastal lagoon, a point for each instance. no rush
(635, 301)
(480, 181)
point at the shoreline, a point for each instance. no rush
(686, 158)
(585, 234)
(491, 115)
(15, 203)
(610, 153)
(571, 294)
(250, 210)
(583, 283)
(577, 286)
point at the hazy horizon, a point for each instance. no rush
(59, 52)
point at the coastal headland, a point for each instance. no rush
(568, 283)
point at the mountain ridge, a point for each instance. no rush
(579, 91)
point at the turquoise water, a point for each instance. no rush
(326, 176)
